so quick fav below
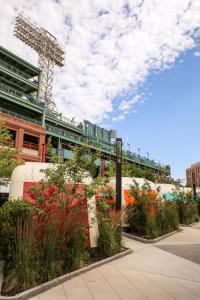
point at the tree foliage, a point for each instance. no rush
(7, 154)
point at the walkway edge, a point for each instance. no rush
(1, 273)
(149, 241)
(59, 280)
(189, 225)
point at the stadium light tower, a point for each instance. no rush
(49, 51)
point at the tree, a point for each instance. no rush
(7, 153)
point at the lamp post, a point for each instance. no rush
(148, 155)
(118, 173)
(129, 148)
(138, 151)
(194, 185)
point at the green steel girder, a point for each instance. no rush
(20, 101)
(50, 133)
(62, 124)
(20, 80)
(22, 64)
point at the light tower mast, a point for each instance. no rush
(49, 51)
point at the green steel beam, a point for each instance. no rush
(63, 124)
(63, 137)
(19, 116)
(30, 69)
(19, 79)
(20, 101)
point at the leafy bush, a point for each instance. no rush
(9, 215)
(38, 245)
(167, 217)
(18, 245)
(188, 207)
(109, 240)
(150, 216)
(43, 240)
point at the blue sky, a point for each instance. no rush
(129, 65)
(167, 124)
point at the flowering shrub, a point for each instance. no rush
(150, 216)
(47, 233)
(187, 206)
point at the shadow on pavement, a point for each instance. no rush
(189, 252)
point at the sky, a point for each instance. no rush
(130, 65)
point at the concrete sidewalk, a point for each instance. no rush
(156, 272)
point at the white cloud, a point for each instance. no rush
(126, 105)
(119, 117)
(197, 53)
(111, 46)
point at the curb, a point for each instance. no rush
(54, 282)
(148, 241)
(189, 225)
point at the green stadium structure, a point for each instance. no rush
(31, 124)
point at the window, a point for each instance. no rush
(30, 142)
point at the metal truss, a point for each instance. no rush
(49, 51)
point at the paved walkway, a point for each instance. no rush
(167, 270)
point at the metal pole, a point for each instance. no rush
(194, 185)
(118, 173)
(103, 167)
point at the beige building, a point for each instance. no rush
(195, 168)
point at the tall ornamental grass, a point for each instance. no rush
(150, 216)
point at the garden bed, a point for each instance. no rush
(148, 241)
(59, 280)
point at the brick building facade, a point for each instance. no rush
(195, 168)
(28, 137)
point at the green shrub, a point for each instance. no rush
(18, 246)
(137, 219)
(9, 215)
(188, 207)
(150, 216)
(109, 241)
(151, 227)
(188, 212)
(167, 217)
(42, 241)
(76, 256)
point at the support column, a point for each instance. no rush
(41, 146)
(20, 139)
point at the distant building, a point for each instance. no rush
(195, 168)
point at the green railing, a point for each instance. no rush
(80, 139)
(145, 161)
(17, 115)
(64, 120)
(65, 133)
(17, 71)
(110, 148)
(11, 91)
